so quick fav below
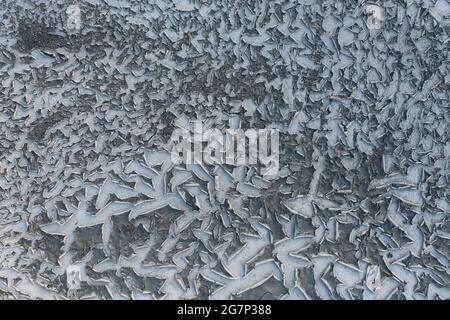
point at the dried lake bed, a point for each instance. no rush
(92, 205)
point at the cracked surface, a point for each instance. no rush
(359, 209)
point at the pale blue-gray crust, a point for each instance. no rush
(359, 209)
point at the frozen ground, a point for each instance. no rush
(360, 93)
